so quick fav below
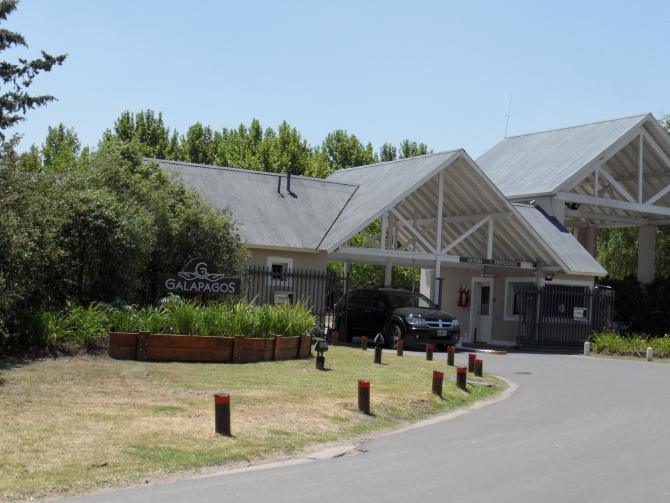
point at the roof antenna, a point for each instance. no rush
(509, 114)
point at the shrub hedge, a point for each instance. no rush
(86, 325)
(636, 344)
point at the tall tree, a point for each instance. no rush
(61, 148)
(388, 152)
(410, 148)
(345, 150)
(17, 77)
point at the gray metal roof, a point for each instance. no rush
(539, 163)
(266, 218)
(381, 186)
(324, 214)
(567, 250)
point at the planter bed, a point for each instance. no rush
(146, 346)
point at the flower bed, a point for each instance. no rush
(168, 347)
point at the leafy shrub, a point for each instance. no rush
(611, 342)
(54, 328)
(84, 325)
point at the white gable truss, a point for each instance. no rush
(446, 211)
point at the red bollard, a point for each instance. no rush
(438, 377)
(429, 352)
(364, 343)
(450, 355)
(462, 378)
(222, 414)
(334, 336)
(364, 396)
(400, 346)
(471, 362)
(479, 367)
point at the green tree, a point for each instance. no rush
(388, 152)
(61, 148)
(198, 144)
(409, 148)
(148, 130)
(617, 251)
(344, 150)
(17, 77)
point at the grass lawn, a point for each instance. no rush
(68, 425)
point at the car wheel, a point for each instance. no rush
(393, 332)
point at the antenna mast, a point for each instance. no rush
(509, 114)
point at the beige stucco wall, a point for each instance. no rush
(301, 260)
(503, 331)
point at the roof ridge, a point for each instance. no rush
(395, 160)
(246, 171)
(578, 126)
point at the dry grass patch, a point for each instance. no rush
(73, 424)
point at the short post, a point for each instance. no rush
(334, 334)
(438, 377)
(320, 346)
(462, 378)
(379, 344)
(378, 355)
(450, 355)
(400, 346)
(364, 396)
(587, 348)
(471, 362)
(650, 354)
(364, 343)
(429, 352)
(222, 414)
(479, 367)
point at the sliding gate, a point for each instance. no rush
(562, 316)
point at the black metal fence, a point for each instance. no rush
(562, 316)
(319, 290)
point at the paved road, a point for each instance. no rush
(576, 430)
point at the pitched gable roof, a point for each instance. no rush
(539, 163)
(298, 219)
(381, 186)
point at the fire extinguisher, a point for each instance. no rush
(466, 297)
(461, 296)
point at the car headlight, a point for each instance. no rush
(416, 320)
(454, 323)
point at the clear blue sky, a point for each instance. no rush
(438, 72)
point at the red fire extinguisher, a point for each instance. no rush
(466, 296)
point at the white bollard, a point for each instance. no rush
(587, 348)
(650, 354)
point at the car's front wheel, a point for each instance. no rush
(393, 333)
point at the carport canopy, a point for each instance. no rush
(441, 209)
(607, 174)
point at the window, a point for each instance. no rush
(280, 268)
(279, 271)
(513, 299)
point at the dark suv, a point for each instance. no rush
(397, 314)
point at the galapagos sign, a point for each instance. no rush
(200, 277)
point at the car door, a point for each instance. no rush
(375, 313)
(356, 307)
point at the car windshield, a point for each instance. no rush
(409, 299)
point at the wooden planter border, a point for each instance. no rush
(145, 346)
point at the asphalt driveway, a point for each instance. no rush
(582, 429)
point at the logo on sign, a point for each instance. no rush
(200, 277)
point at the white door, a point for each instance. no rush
(481, 309)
